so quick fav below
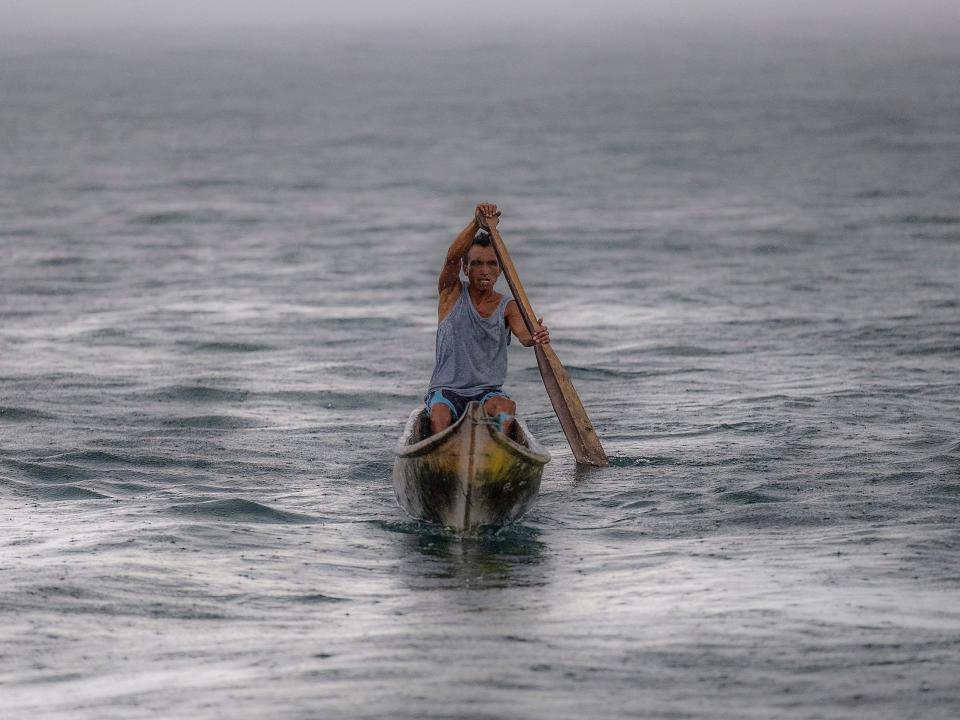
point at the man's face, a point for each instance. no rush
(481, 267)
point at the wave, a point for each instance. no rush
(182, 217)
(100, 457)
(241, 510)
(200, 183)
(751, 426)
(344, 400)
(950, 492)
(636, 504)
(907, 477)
(163, 218)
(913, 219)
(689, 351)
(740, 427)
(762, 516)
(226, 346)
(314, 599)
(198, 393)
(374, 470)
(948, 348)
(209, 422)
(20, 414)
(55, 491)
(60, 261)
(67, 492)
(48, 472)
(625, 461)
(579, 372)
(748, 497)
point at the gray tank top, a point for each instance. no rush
(471, 349)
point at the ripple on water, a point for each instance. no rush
(374, 470)
(748, 497)
(198, 393)
(897, 478)
(950, 348)
(600, 373)
(240, 510)
(949, 492)
(914, 219)
(224, 346)
(752, 426)
(71, 599)
(341, 400)
(209, 422)
(21, 414)
(101, 458)
(687, 351)
(53, 491)
(60, 261)
(315, 599)
(181, 217)
(48, 472)
(624, 461)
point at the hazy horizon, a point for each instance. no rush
(937, 17)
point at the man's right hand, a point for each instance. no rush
(484, 211)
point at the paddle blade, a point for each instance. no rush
(566, 403)
(573, 418)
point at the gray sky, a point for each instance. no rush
(26, 15)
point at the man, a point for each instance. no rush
(473, 331)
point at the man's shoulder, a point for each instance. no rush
(504, 300)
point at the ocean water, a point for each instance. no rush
(217, 308)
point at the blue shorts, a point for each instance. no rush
(458, 403)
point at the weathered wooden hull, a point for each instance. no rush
(470, 474)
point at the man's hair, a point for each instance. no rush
(482, 238)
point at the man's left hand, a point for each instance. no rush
(541, 336)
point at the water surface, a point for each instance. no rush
(218, 304)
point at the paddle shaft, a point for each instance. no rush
(566, 402)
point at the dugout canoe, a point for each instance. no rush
(468, 475)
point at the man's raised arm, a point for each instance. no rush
(449, 283)
(450, 273)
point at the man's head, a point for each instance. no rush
(480, 264)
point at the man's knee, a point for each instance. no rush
(440, 417)
(500, 404)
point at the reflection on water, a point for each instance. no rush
(434, 557)
(585, 473)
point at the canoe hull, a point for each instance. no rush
(469, 475)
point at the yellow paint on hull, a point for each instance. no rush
(470, 474)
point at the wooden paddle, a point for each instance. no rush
(566, 403)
